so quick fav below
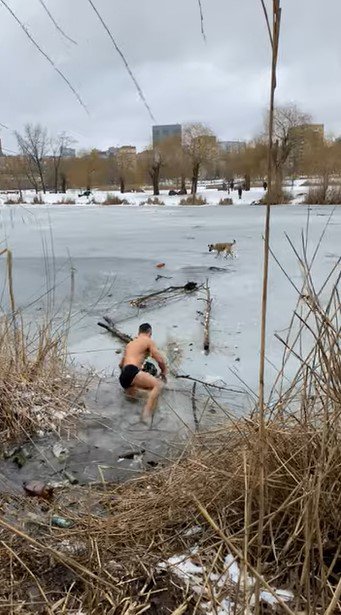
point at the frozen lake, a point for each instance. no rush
(113, 252)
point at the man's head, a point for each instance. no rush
(145, 329)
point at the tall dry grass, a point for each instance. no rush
(38, 391)
(324, 195)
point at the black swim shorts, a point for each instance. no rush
(127, 376)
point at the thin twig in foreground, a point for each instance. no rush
(202, 21)
(120, 53)
(267, 21)
(57, 26)
(43, 53)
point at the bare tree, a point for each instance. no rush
(33, 145)
(123, 167)
(200, 146)
(288, 121)
(15, 172)
(175, 164)
(58, 146)
(154, 168)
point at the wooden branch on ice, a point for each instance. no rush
(110, 326)
(207, 319)
(140, 302)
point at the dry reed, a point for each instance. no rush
(37, 389)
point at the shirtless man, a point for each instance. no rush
(132, 377)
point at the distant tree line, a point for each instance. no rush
(175, 163)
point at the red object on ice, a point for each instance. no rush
(160, 265)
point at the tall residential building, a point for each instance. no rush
(166, 131)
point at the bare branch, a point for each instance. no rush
(267, 22)
(57, 26)
(4, 126)
(202, 21)
(140, 92)
(42, 52)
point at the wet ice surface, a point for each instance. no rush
(113, 252)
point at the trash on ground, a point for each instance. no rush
(19, 459)
(57, 521)
(37, 488)
(60, 451)
(72, 548)
(71, 477)
(209, 584)
(131, 454)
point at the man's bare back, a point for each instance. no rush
(137, 351)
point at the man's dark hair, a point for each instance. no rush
(145, 328)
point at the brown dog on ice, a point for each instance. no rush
(220, 248)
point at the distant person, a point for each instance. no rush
(232, 184)
(240, 192)
(265, 185)
(133, 378)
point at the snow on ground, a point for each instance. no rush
(221, 587)
(97, 197)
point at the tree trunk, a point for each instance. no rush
(183, 184)
(122, 185)
(278, 183)
(325, 186)
(56, 180)
(195, 177)
(247, 181)
(156, 177)
(41, 175)
(154, 173)
(63, 178)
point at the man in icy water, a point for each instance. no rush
(133, 377)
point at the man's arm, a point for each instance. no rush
(155, 354)
(120, 365)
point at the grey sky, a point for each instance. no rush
(224, 83)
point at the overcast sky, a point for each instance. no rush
(223, 83)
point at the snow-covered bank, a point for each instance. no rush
(98, 197)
